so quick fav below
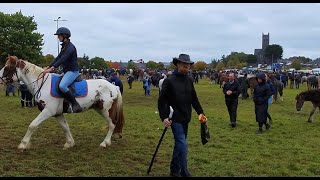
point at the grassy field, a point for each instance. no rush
(290, 148)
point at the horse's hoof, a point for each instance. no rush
(21, 150)
(28, 145)
(103, 145)
(309, 121)
(67, 146)
(21, 146)
(116, 136)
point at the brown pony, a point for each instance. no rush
(223, 79)
(310, 95)
(252, 84)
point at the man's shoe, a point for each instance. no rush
(174, 174)
(268, 127)
(233, 125)
(259, 131)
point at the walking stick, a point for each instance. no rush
(164, 132)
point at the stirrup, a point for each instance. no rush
(71, 110)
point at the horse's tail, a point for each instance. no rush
(116, 113)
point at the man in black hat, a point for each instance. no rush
(179, 93)
(232, 90)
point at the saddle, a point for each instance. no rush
(78, 87)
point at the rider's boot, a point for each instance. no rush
(75, 105)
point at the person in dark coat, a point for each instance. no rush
(117, 81)
(24, 90)
(232, 90)
(130, 79)
(271, 97)
(178, 92)
(261, 94)
(244, 87)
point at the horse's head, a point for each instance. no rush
(10, 68)
(300, 98)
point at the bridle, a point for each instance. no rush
(14, 69)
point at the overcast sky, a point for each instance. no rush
(160, 31)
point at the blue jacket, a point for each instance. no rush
(116, 81)
(271, 87)
(67, 58)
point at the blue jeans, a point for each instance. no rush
(67, 79)
(179, 157)
(10, 89)
(270, 100)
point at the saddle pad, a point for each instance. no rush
(79, 89)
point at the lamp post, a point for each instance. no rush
(58, 19)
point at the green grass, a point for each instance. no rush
(290, 148)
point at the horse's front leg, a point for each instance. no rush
(25, 142)
(63, 123)
(310, 119)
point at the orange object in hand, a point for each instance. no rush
(202, 118)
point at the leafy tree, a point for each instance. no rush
(98, 63)
(224, 60)
(273, 52)
(233, 62)
(46, 60)
(131, 65)
(172, 66)
(241, 56)
(84, 62)
(108, 63)
(220, 66)
(151, 64)
(18, 37)
(114, 65)
(302, 59)
(160, 65)
(213, 64)
(200, 65)
(252, 59)
(296, 64)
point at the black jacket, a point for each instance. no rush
(234, 87)
(67, 58)
(179, 93)
(261, 93)
(23, 88)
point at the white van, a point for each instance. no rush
(316, 71)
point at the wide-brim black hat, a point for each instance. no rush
(182, 58)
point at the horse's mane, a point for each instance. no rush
(32, 67)
(310, 95)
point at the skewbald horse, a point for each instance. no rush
(102, 96)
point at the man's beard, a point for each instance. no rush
(184, 71)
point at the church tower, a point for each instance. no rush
(265, 41)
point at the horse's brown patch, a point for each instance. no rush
(97, 105)
(12, 60)
(21, 64)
